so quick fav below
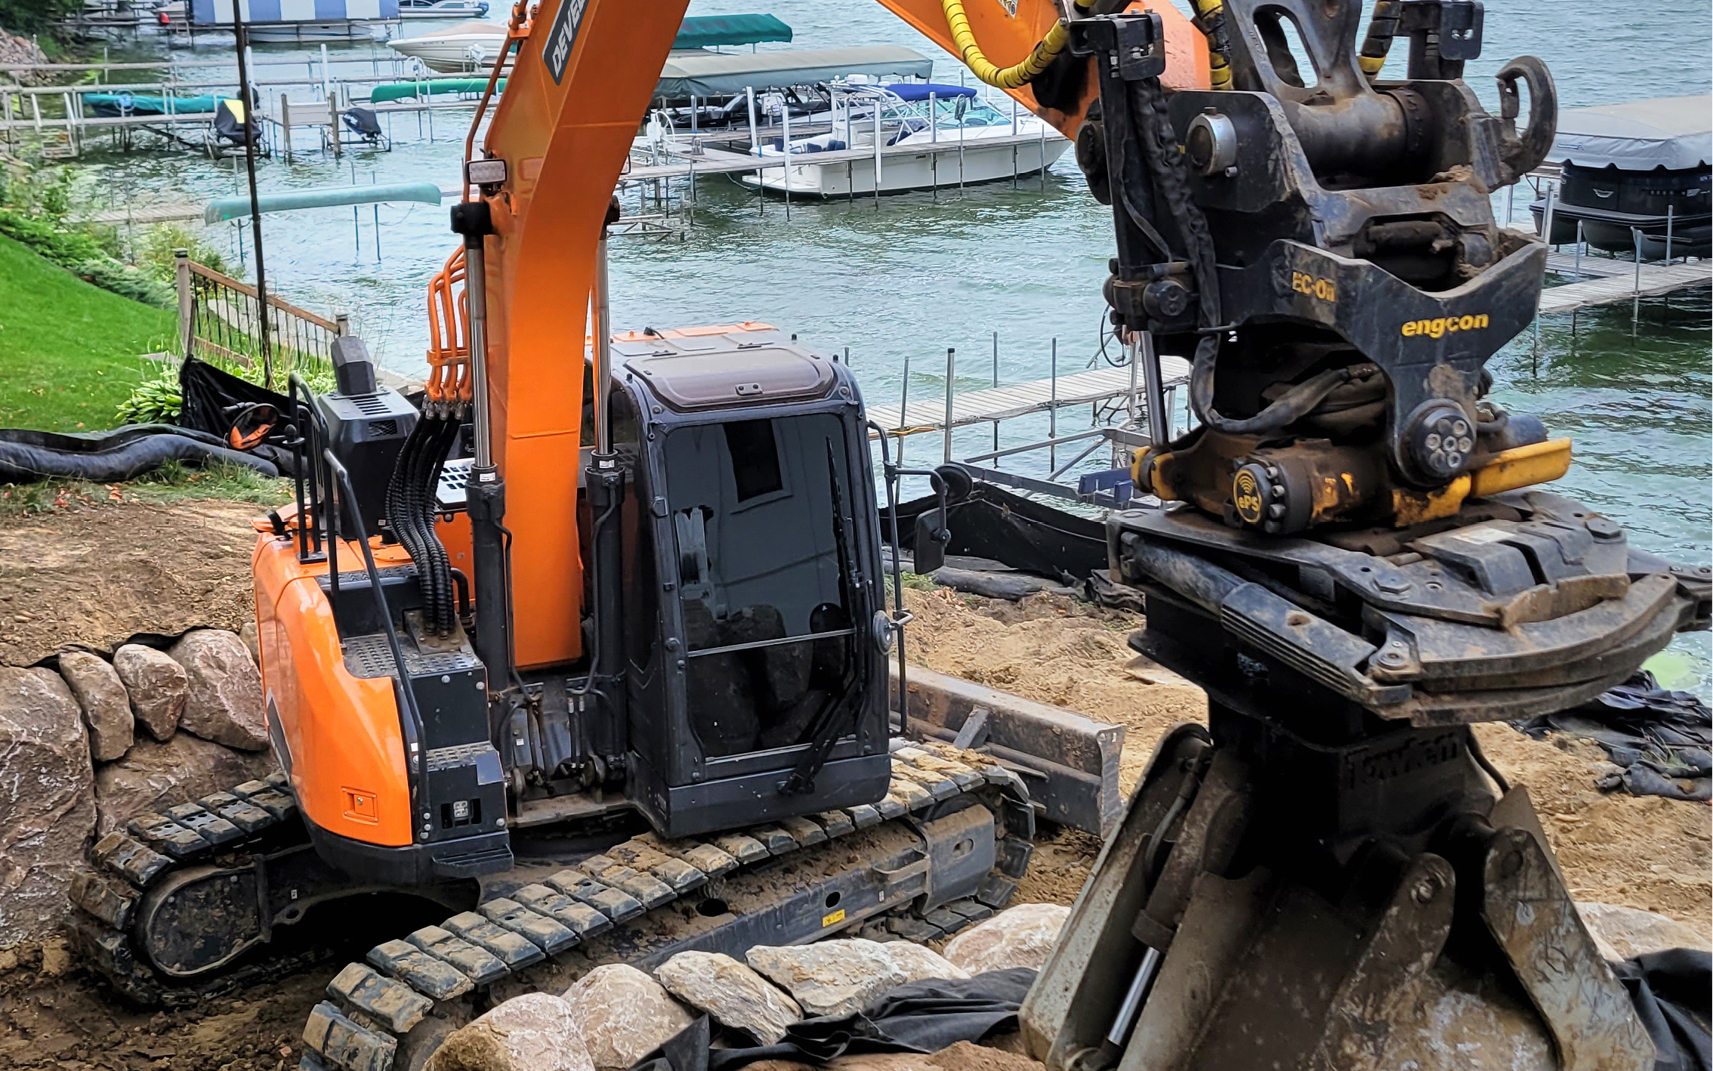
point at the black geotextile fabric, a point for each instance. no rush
(921, 1017)
(109, 456)
(214, 401)
(1660, 738)
(1026, 535)
(1673, 994)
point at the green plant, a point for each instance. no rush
(154, 251)
(85, 255)
(27, 16)
(155, 401)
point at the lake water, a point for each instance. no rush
(917, 275)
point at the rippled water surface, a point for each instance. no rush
(917, 274)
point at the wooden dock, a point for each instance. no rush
(1619, 280)
(1021, 399)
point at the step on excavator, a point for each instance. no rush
(1352, 556)
(587, 648)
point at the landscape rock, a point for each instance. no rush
(534, 1032)
(1626, 932)
(732, 993)
(919, 962)
(622, 1014)
(106, 705)
(252, 641)
(834, 978)
(1021, 936)
(47, 810)
(154, 776)
(225, 700)
(157, 685)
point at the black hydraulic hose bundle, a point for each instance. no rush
(410, 510)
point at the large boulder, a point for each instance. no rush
(834, 978)
(154, 776)
(47, 810)
(106, 705)
(732, 993)
(1626, 932)
(534, 1032)
(157, 685)
(1021, 936)
(225, 700)
(920, 963)
(622, 1014)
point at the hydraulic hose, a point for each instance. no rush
(1382, 27)
(1211, 15)
(1019, 74)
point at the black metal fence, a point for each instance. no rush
(220, 321)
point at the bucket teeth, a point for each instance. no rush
(343, 1043)
(130, 859)
(395, 1004)
(616, 904)
(548, 935)
(514, 950)
(475, 963)
(419, 970)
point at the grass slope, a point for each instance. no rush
(68, 350)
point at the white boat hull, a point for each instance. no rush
(296, 32)
(986, 160)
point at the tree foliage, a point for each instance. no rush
(32, 16)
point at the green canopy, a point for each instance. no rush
(401, 90)
(712, 31)
(322, 197)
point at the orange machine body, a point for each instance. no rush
(1008, 38)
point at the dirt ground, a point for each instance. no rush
(99, 575)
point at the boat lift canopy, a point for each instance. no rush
(238, 206)
(1672, 132)
(715, 31)
(715, 75)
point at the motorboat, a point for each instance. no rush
(442, 9)
(468, 46)
(1632, 175)
(963, 139)
(295, 33)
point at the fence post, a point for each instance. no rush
(181, 280)
(343, 319)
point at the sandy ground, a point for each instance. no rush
(99, 575)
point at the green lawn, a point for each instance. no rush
(69, 352)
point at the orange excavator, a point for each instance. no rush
(638, 580)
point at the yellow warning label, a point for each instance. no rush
(834, 919)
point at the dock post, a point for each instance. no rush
(996, 387)
(903, 407)
(1669, 212)
(785, 143)
(877, 144)
(1546, 215)
(1042, 132)
(951, 363)
(934, 150)
(1014, 143)
(285, 124)
(1053, 410)
(333, 123)
(1576, 266)
(186, 302)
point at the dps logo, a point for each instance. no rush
(1246, 497)
(564, 35)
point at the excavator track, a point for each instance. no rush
(393, 1008)
(593, 908)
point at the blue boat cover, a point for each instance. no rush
(713, 31)
(920, 90)
(219, 12)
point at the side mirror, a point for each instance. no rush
(932, 535)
